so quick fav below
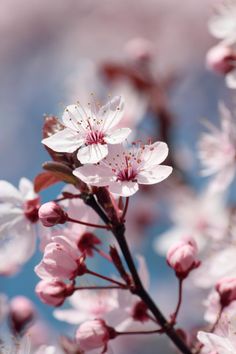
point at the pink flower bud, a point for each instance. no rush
(92, 335)
(61, 260)
(21, 313)
(221, 59)
(182, 257)
(139, 49)
(226, 288)
(52, 292)
(87, 242)
(51, 214)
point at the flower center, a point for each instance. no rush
(31, 208)
(127, 174)
(95, 137)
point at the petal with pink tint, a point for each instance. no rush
(124, 189)
(112, 113)
(65, 140)
(92, 153)
(154, 154)
(26, 189)
(118, 136)
(8, 193)
(95, 175)
(155, 175)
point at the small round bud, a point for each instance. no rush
(52, 292)
(21, 312)
(221, 59)
(51, 214)
(226, 288)
(139, 49)
(182, 257)
(93, 334)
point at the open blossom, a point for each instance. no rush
(222, 25)
(124, 169)
(223, 341)
(89, 129)
(61, 260)
(203, 216)
(217, 151)
(18, 215)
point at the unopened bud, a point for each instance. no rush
(52, 292)
(226, 288)
(221, 59)
(51, 214)
(21, 313)
(182, 257)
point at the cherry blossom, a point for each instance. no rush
(123, 170)
(89, 129)
(221, 342)
(203, 217)
(61, 260)
(18, 216)
(217, 150)
(222, 26)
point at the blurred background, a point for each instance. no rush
(53, 53)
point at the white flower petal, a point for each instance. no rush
(65, 140)
(71, 316)
(9, 217)
(154, 154)
(9, 194)
(76, 117)
(118, 136)
(231, 79)
(94, 175)
(26, 189)
(92, 153)
(124, 189)
(156, 175)
(112, 113)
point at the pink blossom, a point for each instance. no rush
(221, 342)
(61, 260)
(89, 129)
(217, 150)
(182, 257)
(123, 170)
(18, 216)
(93, 335)
(202, 216)
(51, 214)
(21, 312)
(52, 292)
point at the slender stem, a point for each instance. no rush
(87, 223)
(125, 209)
(98, 287)
(103, 254)
(180, 295)
(138, 332)
(119, 231)
(106, 278)
(212, 329)
(143, 294)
